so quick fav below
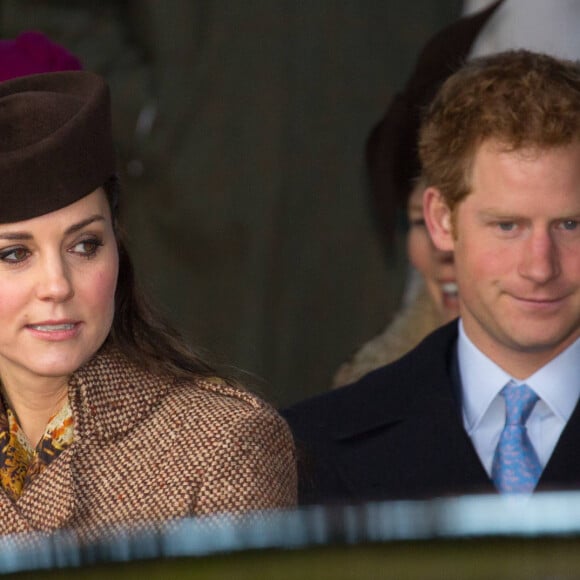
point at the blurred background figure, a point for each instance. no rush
(397, 192)
(550, 27)
(32, 52)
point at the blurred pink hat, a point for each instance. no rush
(33, 52)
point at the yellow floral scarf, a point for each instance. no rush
(20, 463)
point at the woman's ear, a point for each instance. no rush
(438, 219)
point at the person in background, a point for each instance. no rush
(488, 402)
(548, 27)
(107, 418)
(396, 187)
(32, 52)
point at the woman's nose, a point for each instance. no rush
(54, 280)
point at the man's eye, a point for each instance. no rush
(570, 225)
(507, 226)
(14, 255)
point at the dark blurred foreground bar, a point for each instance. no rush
(474, 537)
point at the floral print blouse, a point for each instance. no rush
(20, 463)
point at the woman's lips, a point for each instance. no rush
(450, 297)
(54, 331)
(52, 327)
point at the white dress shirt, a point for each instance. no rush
(557, 384)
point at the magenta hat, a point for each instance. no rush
(31, 53)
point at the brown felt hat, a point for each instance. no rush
(55, 142)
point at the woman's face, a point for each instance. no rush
(435, 266)
(58, 274)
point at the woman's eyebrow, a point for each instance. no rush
(15, 236)
(80, 225)
(70, 230)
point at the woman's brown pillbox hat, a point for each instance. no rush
(55, 142)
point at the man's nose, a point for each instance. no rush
(539, 261)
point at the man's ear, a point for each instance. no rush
(438, 219)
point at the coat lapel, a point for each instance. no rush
(563, 468)
(407, 438)
(111, 395)
(45, 504)
(48, 502)
(12, 521)
(95, 394)
(421, 455)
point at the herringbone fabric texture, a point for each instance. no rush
(516, 468)
(147, 450)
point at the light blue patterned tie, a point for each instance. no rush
(516, 467)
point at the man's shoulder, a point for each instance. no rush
(381, 393)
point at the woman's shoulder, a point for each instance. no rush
(216, 388)
(216, 399)
(218, 441)
(197, 389)
(225, 413)
(112, 382)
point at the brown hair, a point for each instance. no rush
(518, 98)
(138, 329)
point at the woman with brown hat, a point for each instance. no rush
(107, 419)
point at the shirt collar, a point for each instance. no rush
(481, 380)
(557, 383)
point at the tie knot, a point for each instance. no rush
(519, 402)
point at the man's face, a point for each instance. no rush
(516, 241)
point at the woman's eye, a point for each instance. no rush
(14, 255)
(417, 222)
(87, 248)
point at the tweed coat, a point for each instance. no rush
(147, 450)
(398, 434)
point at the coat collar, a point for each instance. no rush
(57, 497)
(429, 369)
(409, 414)
(110, 395)
(563, 468)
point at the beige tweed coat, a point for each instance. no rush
(147, 450)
